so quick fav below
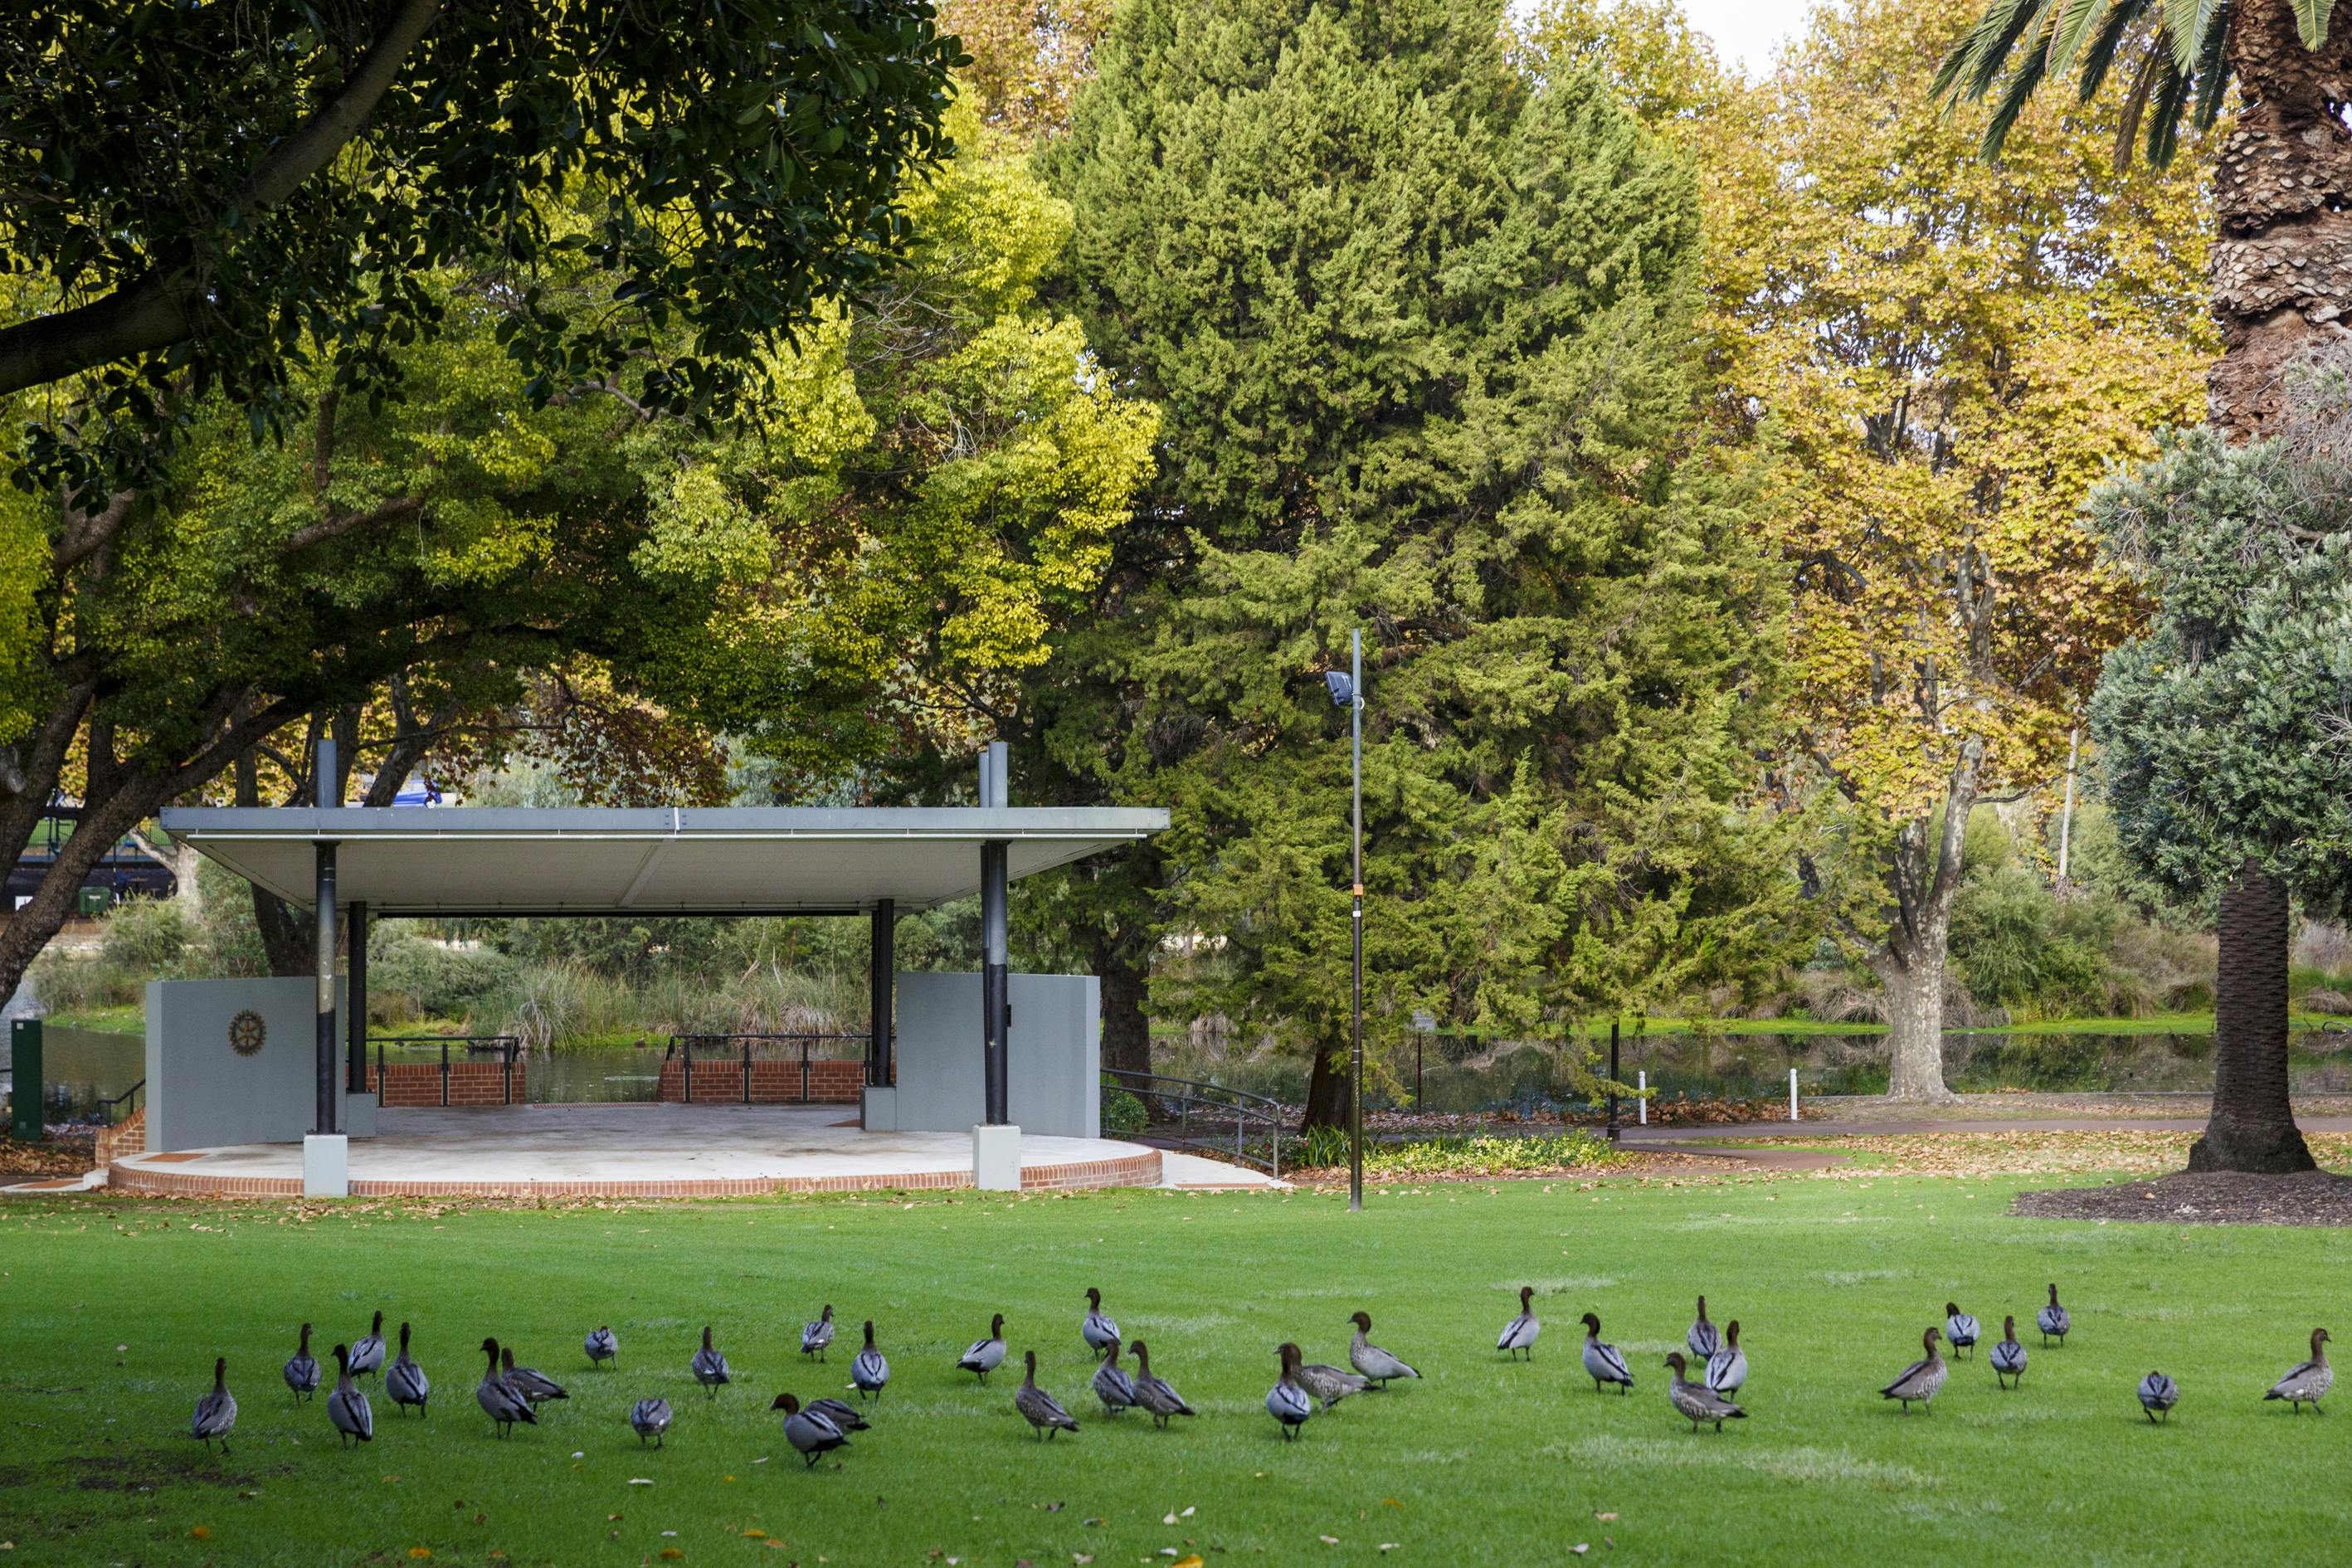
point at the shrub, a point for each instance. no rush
(145, 936)
(1121, 1111)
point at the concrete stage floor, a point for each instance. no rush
(655, 1151)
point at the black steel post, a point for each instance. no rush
(326, 978)
(995, 982)
(884, 1002)
(1612, 1080)
(355, 986)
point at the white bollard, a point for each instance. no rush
(1793, 1094)
(1642, 1105)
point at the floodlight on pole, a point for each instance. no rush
(1347, 691)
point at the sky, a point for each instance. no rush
(1745, 32)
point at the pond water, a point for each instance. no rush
(1443, 1076)
(85, 1066)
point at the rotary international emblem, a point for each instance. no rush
(246, 1033)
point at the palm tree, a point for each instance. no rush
(2281, 270)
(2281, 276)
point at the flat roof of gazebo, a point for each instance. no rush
(520, 860)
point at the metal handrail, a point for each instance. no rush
(508, 1047)
(117, 1099)
(682, 1047)
(1188, 1092)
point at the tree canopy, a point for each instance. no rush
(921, 490)
(199, 206)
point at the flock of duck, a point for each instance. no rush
(509, 1394)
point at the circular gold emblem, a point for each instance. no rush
(246, 1033)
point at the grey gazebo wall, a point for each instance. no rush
(201, 1093)
(1054, 1063)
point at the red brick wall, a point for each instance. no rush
(718, 1082)
(410, 1084)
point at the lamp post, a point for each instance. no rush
(1348, 690)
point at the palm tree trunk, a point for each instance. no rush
(2280, 267)
(2253, 1125)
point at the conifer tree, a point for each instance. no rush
(1421, 330)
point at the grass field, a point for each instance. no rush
(1483, 1461)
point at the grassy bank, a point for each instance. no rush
(1481, 1461)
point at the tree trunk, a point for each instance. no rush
(1327, 1091)
(1922, 878)
(2253, 1125)
(1125, 1028)
(2280, 267)
(1915, 1025)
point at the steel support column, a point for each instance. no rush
(996, 996)
(326, 977)
(883, 998)
(355, 989)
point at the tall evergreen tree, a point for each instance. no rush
(1421, 330)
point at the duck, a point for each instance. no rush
(983, 1356)
(367, 1351)
(1703, 1338)
(1922, 1378)
(1377, 1364)
(216, 1412)
(2008, 1357)
(1696, 1400)
(532, 1384)
(347, 1407)
(406, 1381)
(1726, 1369)
(1519, 1334)
(2305, 1381)
(602, 1346)
(1328, 1383)
(502, 1405)
(1154, 1393)
(1287, 1402)
(816, 1336)
(2053, 1320)
(1039, 1408)
(1111, 1384)
(1099, 1332)
(1601, 1361)
(845, 1417)
(2158, 1395)
(302, 1369)
(812, 1434)
(651, 1419)
(870, 1370)
(710, 1367)
(1960, 1330)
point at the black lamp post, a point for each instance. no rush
(1347, 691)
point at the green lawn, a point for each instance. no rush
(1481, 1462)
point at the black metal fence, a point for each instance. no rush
(119, 1108)
(742, 1050)
(1196, 1114)
(506, 1048)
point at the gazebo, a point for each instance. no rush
(349, 866)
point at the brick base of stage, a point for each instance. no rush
(1139, 1169)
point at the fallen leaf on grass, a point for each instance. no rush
(1192, 1561)
(201, 1532)
(1328, 1540)
(1582, 1547)
(1609, 1518)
